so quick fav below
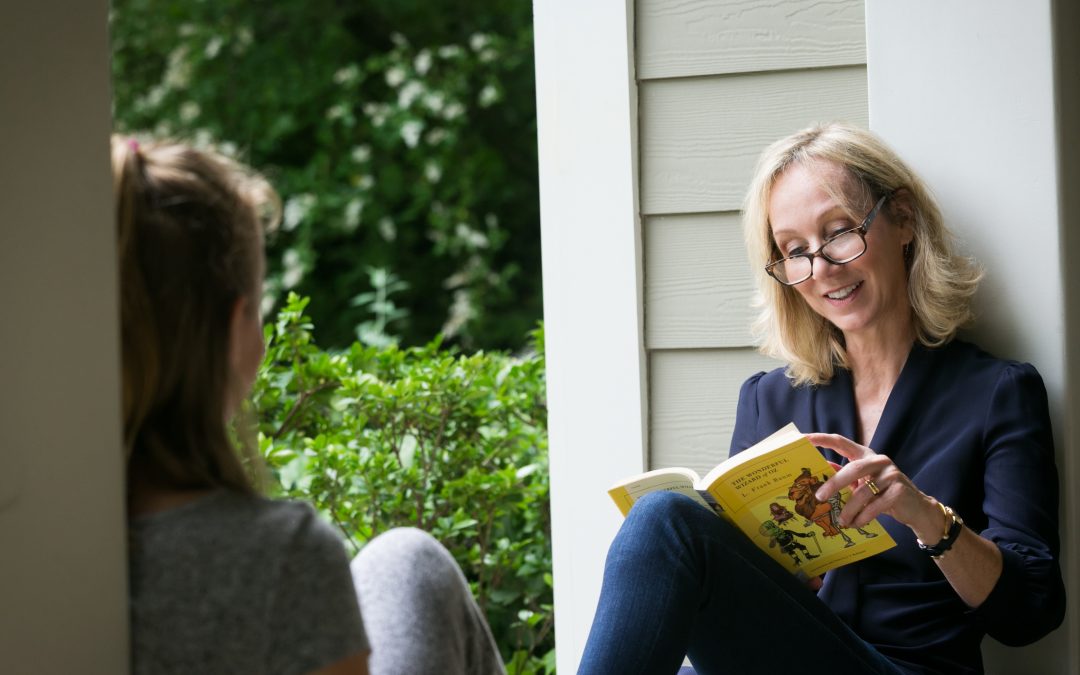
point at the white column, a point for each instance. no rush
(592, 287)
(63, 597)
(965, 91)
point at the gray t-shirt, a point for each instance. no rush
(236, 584)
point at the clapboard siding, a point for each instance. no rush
(700, 137)
(698, 285)
(677, 38)
(694, 394)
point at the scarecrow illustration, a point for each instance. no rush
(785, 539)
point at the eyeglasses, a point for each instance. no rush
(839, 249)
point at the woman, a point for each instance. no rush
(861, 295)
(223, 580)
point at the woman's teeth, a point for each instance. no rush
(843, 292)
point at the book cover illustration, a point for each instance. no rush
(768, 492)
(771, 499)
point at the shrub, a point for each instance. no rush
(379, 437)
(401, 135)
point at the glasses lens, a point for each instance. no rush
(793, 270)
(845, 247)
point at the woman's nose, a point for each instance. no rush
(821, 267)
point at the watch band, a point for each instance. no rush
(953, 525)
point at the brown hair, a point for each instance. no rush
(189, 244)
(941, 282)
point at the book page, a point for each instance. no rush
(670, 480)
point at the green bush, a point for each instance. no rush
(456, 445)
(401, 135)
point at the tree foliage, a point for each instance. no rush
(455, 445)
(401, 135)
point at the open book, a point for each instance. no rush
(767, 491)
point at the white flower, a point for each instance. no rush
(435, 136)
(434, 101)
(178, 71)
(433, 172)
(478, 41)
(453, 111)
(213, 47)
(450, 51)
(296, 209)
(395, 76)
(294, 268)
(488, 95)
(337, 111)
(366, 182)
(488, 55)
(244, 38)
(152, 99)
(399, 40)
(422, 63)
(491, 220)
(347, 75)
(353, 210)
(387, 229)
(409, 93)
(189, 111)
(410, 132)
(460, 312)
(203, 139)
(377, 112)
(267, 303)
(361, 153)
(471, 237)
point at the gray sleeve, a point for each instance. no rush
(315, 619)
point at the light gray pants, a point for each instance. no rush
(419, 614)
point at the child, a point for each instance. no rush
(222, 579)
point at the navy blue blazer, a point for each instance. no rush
(974, 432)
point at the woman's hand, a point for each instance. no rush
(973, 565)
(896, 495)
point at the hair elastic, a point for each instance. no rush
(133, 144)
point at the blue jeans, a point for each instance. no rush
(680, 581)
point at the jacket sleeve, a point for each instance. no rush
(1021, 506)
(745, 433)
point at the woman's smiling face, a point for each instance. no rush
(868, 293)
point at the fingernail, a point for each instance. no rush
(820, 495)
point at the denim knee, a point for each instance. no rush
(664, 508)
(656, 524)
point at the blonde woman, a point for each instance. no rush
(222, 579)
(861, 294)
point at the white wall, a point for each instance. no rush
(63, 603)
(592, 287)
(964, 91)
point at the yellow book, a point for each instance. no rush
(767, 491)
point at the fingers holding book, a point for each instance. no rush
(878, 486)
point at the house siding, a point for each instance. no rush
(717, 82)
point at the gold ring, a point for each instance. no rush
(869, 482)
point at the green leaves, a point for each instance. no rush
(400, 134)
(379, 437)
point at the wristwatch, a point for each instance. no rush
(953, 524)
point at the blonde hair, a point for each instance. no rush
(940, 281)
(189, 227)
